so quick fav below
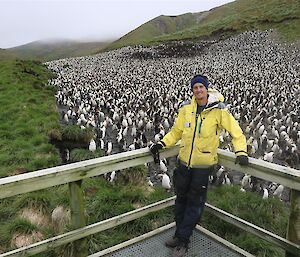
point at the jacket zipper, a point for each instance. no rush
(193, 142)
(200, 125)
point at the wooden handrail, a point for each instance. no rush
(59, 175)
(70, 173)
(286, 176)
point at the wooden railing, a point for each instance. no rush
(74, 173)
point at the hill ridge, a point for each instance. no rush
(226, 20)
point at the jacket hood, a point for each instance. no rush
(215, 100)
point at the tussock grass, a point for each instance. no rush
(255, 245)
(7, 210)
(39, 200)
(55, 134)
(59, 196)
(135, 175)
(77, 155)
(21, 226)
(270, 214)
(114, 199)
(16, 226)
(74, 133)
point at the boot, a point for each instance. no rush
(180, 250)
(172, 242)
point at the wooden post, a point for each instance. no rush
(78, 217)
(293, 232)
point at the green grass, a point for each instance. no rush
(29, 120)
(243, 15)
(111, 200)
(224, 21)
(269, 214)
(29, 113)
(21, 226)
(17, 225)
(39, 200)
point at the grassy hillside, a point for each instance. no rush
(5, 55)
(46, 51)
(29, 121)
(219, 22)
(223, 21)
(162, 25)
(28, 111)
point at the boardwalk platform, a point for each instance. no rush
(203, 244)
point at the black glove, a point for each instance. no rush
(154, 148)
(242, 160)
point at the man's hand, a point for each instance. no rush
(154, 148)
(242, 160)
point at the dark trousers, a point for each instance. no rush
(190, 188)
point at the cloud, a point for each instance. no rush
(23, 21)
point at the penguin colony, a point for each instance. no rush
(131, 96)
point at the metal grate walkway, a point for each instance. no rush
(203, 243)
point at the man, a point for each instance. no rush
(198, 127)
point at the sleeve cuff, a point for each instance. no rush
(163, 143)
(238, 153)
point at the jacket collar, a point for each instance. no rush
(215, 100)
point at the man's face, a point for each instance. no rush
(200, 91)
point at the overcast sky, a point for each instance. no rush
(24, 21)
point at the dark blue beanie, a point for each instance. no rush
(199, 79)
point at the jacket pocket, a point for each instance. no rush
(203, 157)
(208, 128)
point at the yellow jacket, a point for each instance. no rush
(200, 138)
